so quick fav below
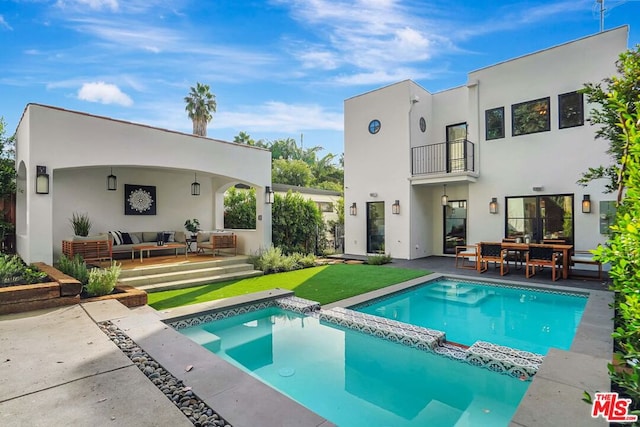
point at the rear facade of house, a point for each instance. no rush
(498, 157)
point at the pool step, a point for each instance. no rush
(457, 292)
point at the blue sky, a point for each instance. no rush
(278, 68)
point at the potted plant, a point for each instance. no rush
(193, 226)
(81, 224)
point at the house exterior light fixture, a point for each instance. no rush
(268, 195)
(42, 180)
(444, 200)
(112, 181)
(493, 205)
(586, 203)
(395, 207)
(195, 186)
(353, 209)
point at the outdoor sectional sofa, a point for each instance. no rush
(123, 242)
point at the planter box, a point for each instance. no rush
(61, 290)
(127, 295)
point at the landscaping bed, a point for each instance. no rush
(59, 290)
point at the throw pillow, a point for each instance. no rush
(169, 236)
(117, 237)
(126, 238)
(134, 239)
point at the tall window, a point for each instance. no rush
(456, 147)
(570, 110)
(530, 117)
(540, 217)
(494, 123)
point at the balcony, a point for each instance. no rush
(443, 158)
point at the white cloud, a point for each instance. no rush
(92, 4)
(104, 93)
(4, 24)
(280, 117)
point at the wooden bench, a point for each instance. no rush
(219, 241)
(89, 250)
(585, 257)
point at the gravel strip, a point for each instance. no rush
(191, 405)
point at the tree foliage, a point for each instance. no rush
(7, 162)
(622, 248)
(291, 172)
(297, 224)
(626, 85)
(201, 105)
(288, 159)
(240, 208)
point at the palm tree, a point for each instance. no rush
(201, 105)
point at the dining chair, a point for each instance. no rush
(515, 256)
(542, 256)
(492, 252)
(468, 254)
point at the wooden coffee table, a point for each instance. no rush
(151, 247)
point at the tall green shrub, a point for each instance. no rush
(240, 208)
(622, 251)
(297, 224)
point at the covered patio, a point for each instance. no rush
(76, 153)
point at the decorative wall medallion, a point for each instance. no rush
(139, 199)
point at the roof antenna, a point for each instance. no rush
(602, 10)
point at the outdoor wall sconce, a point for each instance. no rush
(353, 210)
(493, 206)
(395, 207)
(112, 181)
(444, 200)
(195, 186)
(268, 195)
(42, 180)
(586, 204)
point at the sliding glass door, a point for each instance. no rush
(540, 217)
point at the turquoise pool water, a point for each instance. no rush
(520, 318)
(354, 379)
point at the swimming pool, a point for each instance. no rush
(516, 317)
(356, 379)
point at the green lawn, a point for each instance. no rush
(324, 284)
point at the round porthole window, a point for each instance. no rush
(423, 124)
(374, 126)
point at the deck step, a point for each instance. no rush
(193, 273)
(144, 270)
(196, 281)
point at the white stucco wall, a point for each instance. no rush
(506, 167)
(79, 150)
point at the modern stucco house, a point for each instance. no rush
(76, 152)
(506, 149)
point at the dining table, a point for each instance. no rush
(562, 248)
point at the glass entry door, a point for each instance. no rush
(456, 144)
(375, 227)
(455, 225)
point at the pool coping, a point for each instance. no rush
(553, 397)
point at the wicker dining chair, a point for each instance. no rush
(492, 252)
(542, 256)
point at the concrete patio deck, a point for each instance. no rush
(58, 368)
